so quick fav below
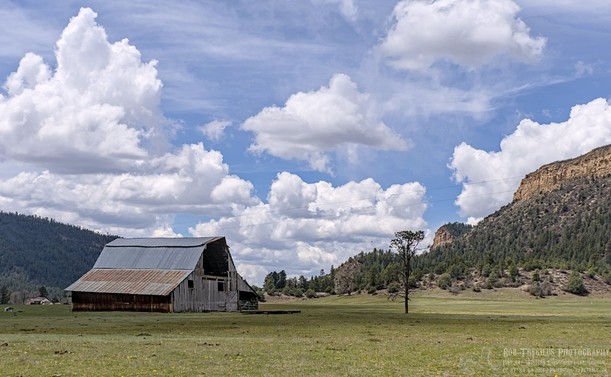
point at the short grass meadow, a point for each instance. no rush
(492, 333)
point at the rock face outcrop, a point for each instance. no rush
(442, 236)
(595, 164)
(448, 233)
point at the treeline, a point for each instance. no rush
(17, 288)
(378, 269)
(37, 251)
(567, 229)
(278, 283)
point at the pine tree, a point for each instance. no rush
(4, 295)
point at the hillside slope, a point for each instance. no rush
(50, 253)
(560, 217)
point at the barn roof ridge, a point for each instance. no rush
(161, 242)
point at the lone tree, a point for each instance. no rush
(405, 243)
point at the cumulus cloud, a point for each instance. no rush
(97, 110)
(466, 32)
(309, 226)
(86, 143)
(192, 180)
(489, 179)
(311, 125)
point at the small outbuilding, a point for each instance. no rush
(39, 301)
(164, 275)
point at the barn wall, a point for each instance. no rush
(208, 293)
(87, 301)
(203, 292)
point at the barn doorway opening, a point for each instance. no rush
(216, 259)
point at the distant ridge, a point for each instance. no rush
(560, 218)
(50, 253)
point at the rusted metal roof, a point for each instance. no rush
(154, 253)
(130, 281)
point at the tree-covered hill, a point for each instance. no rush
(525, 242)
(568, 228)
(46, 252)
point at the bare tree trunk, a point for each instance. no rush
(406, 276)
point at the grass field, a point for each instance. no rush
(500, 333)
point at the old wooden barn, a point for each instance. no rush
(163, 275)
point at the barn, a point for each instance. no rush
(163, 275)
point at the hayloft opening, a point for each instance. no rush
(216, 261)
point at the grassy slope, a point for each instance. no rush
(444, 335)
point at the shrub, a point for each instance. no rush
(445, 281)
(591, 273)
(513, 271)
(536, 277)
(541, 289)
(418, 274)
(454, 289)
(502, 282)
(455, 271)
(371, 290)
(412, 282)
(490, 282)
(476, 288)
(393, 287)
(575, 284)
(486, 269)
(310, 293)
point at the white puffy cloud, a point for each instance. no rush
(490, 178)
(309, 226)
(86, 143)
(312, 125)
(467, 32)
(98, 110)
(214, 130)
(193, 180)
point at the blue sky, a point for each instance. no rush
(305, 131)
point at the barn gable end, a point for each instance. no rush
(163, 274)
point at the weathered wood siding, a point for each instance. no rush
(201, 292)
(87, 301)
(200, 295)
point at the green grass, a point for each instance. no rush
(486, 334)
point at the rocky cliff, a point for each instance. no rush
(448, 233)
(595, 164)
(442, 236)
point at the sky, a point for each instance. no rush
(304, 132)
